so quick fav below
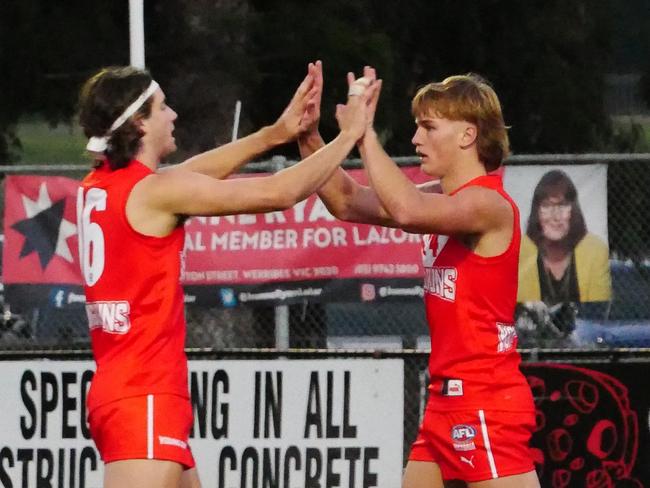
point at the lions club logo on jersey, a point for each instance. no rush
(438, 280)
(432, 245)
(462, 436)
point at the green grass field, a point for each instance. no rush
(42, 144)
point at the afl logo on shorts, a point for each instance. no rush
(462, 437)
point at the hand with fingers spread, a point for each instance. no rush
(292, 122)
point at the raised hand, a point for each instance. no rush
(292, 122)
(311, 116)
(353, 116)
(371, 104)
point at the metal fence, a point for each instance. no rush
(609, 333)
(622, 322)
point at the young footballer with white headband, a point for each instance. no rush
(131, 239)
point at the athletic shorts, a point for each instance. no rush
(144, 427)
(476, 445)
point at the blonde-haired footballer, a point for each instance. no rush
(480, 413)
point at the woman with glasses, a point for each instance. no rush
(560, 261)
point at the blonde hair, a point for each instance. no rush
(469, 98)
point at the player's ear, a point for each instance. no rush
(468, 135)
(140, 124)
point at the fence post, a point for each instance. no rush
(281, 311)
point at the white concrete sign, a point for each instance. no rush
(274, 423)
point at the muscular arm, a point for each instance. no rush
(473, 211)
(224, 160)
(344, 197)
(158, 200)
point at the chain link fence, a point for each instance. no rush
(624, 321)
(574, 332)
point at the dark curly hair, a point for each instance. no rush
(103, 98)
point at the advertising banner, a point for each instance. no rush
(256, 423)
(301, 254)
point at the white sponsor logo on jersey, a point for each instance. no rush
(112, 317)
(441, 282)
(469, 461)
(507, 337)
(170, 441)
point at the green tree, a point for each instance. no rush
(47, 50)
(200, 53)
(286, 35)
(545, 59)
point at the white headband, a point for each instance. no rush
(99, 144)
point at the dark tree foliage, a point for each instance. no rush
(200, 53)
(546, 59)
(47, 49)
(287, 35)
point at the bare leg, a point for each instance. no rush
(525, 480)
(142, 473)
(422, 474)
(190, 479)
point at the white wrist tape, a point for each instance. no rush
(358, 87)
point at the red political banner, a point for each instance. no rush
(303, 243)
(300, 253)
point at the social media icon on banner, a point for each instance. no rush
(368, 292)
(228, 298)
(58, 297)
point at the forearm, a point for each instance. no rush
(226, 159)
(309, 143)
(304, 178)
(394, 190)
(342, 195)
(337, 191)
(348, 200)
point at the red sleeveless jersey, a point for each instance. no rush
(134, 300)
(470, 302)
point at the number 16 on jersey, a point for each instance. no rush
(91, 235)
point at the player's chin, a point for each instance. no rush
(426, 168)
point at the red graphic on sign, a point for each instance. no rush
(299, 244)
(40, 228)
(588, 431)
